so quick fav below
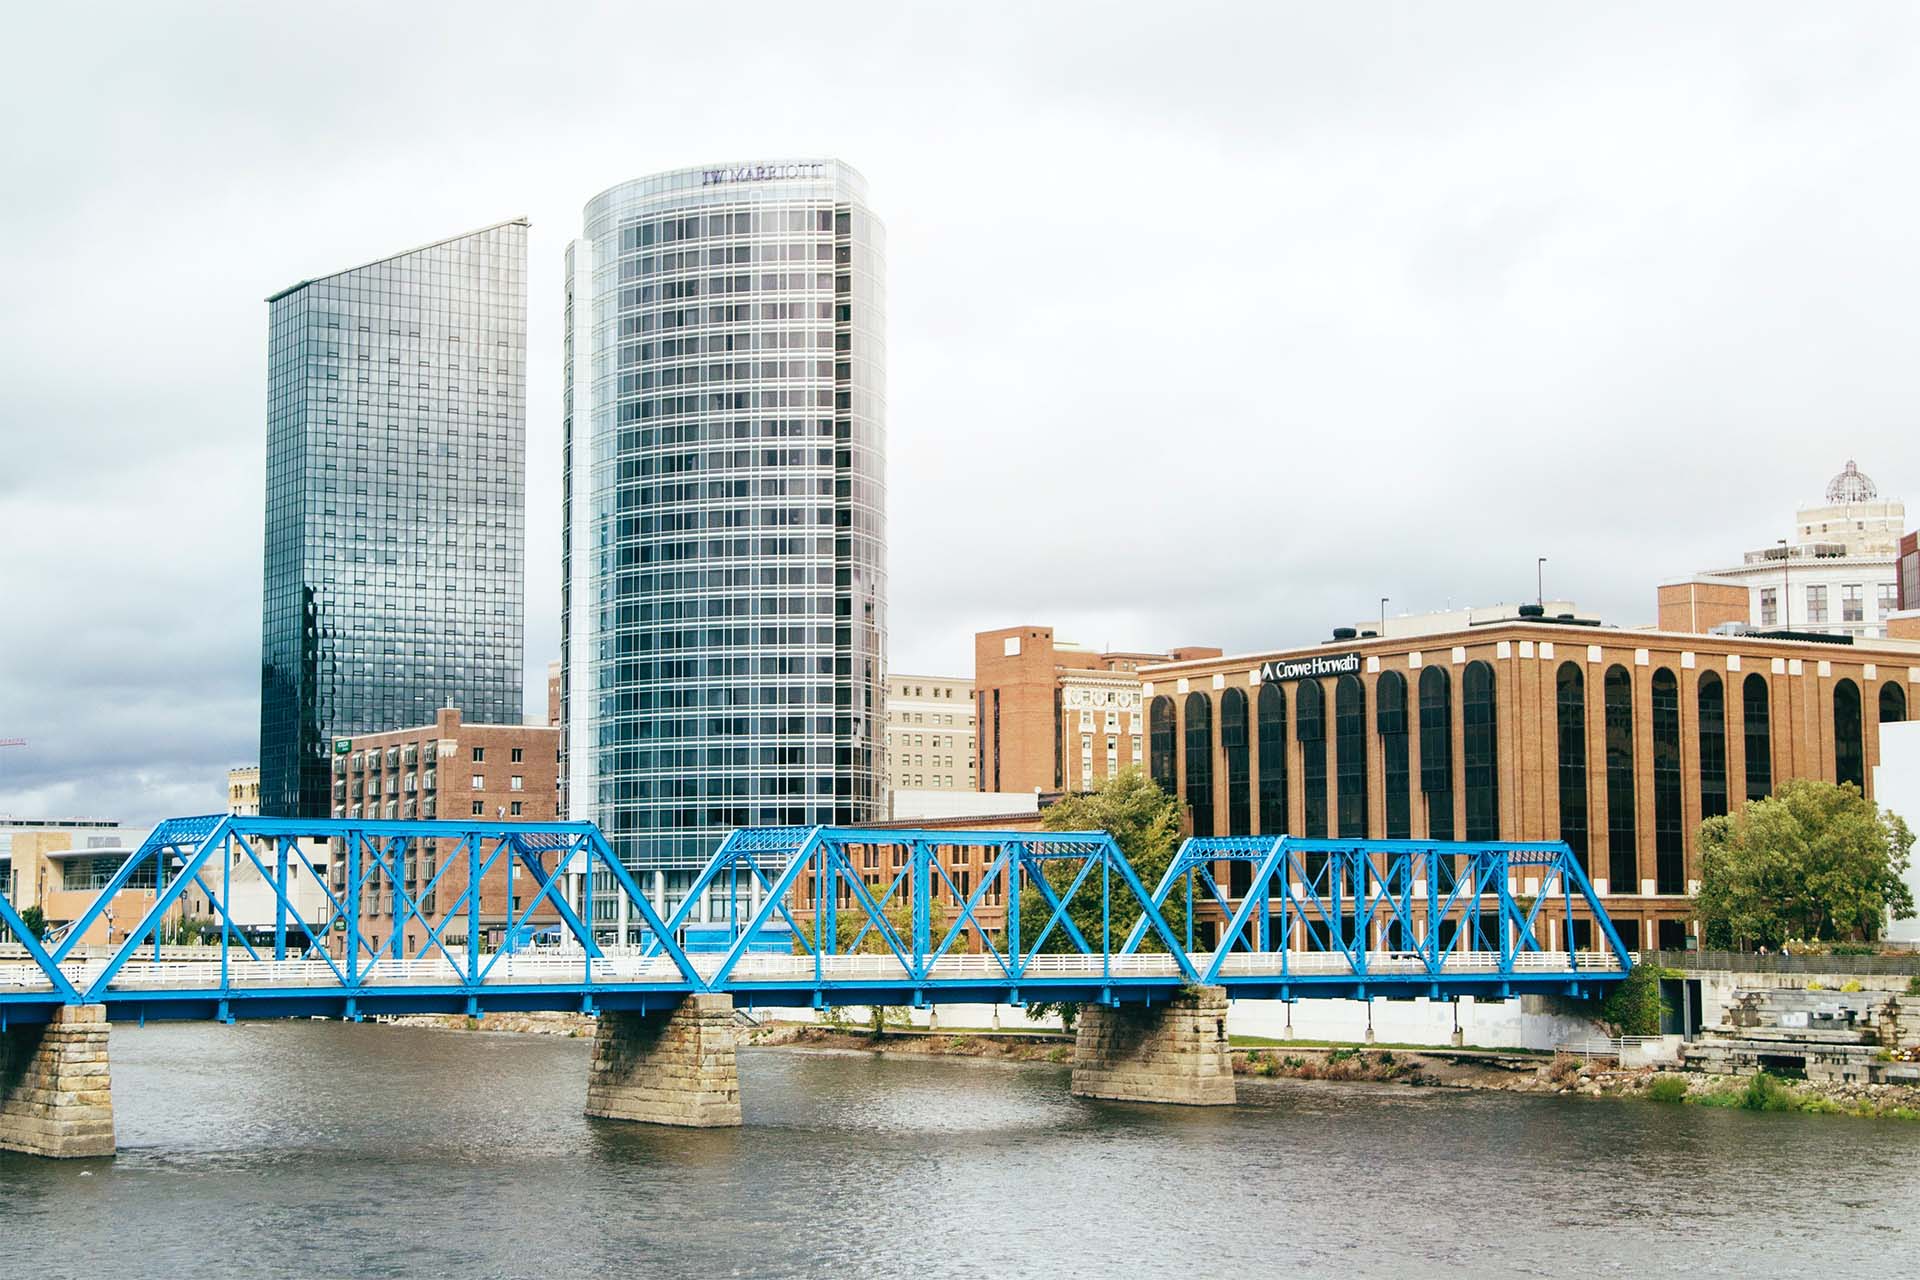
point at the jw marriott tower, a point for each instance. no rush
(396, 504)
(724, 541)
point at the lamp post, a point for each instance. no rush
(1539, 582)
(1786, 583)
(1383, 614)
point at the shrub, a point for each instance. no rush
(1851, 984)
(1765, 1093)
(1668, 1089)
(1913, 985)
(1814, 984)
(1057, 1054)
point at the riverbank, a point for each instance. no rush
(1494, 1070)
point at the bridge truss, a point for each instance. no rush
(807, 916)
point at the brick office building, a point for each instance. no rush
(1053, 716)
(1618, 742)
(445, 770)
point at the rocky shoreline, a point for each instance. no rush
(1490, 1070)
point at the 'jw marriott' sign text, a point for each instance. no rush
(761, 172)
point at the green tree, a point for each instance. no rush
(1815, 860)
(36, 921)
(1145, 822)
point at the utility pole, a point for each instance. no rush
(1786, 584)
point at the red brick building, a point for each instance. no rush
(445, 770)
(1053, 716)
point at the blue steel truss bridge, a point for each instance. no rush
(807, 916)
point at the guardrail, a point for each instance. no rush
(1749, 962)
(512, 969)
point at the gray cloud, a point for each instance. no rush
(1208, 325)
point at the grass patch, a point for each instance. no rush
(1668, 1089)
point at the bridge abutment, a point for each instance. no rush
(674, 1066)
(56, 1093)
(1175, 1052)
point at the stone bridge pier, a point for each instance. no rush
(1173, 1052)
(56, 1093)
(668, 1066)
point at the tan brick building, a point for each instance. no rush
(447, 770)
(930, 733)
(1053, 716)
(1618, 742)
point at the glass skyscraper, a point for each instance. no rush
(724, 556)
(396, 504)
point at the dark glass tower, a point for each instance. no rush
(724, 576)
(396, 504)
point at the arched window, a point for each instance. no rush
(1669, 834)
(1390, 715)
(1310, 726)
(1350, 754)
(1233, 748)
(1480, 742)
(1199, 789)
(1271, 710)
(1436, 752)
(1570, 703)
(1713, 745)
(1893, 703)
(1160, 753)
(1849, 757)
(1758, 732)
(1623, 869)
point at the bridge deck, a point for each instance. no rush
(183, 988)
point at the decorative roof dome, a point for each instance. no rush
(1851, 485)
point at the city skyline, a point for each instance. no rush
(1557, 333)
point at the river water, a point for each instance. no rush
(329, 1150)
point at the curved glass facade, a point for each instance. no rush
(724, 543)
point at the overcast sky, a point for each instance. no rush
(1207, 324)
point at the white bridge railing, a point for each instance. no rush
(571, 968)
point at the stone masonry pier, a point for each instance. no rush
(675, 1066)
(56, 1094)
(1175, 1052)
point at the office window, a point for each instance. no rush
(1758, 733)
(1480, 741)
(1888, 599)
(1816, 604)
(478, 808)
(517, 783)
(1893, 703)
(1160, 752)
(1350, 755)
(1233, 747)
(1622, 838)
(1669, 835)
(1849, 755)
(1853, 603)
(479, 754)
(1713, 745)
(1390, 717)
(1271, 709)
(1570, 706)
(1436, 752)
(479, 782)
(516, 755)
(1769, 606)
(516, 808)
(1199, 788)
(1310, 728)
